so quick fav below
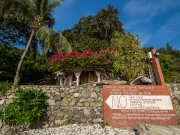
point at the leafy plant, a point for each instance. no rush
(67, 122)
(103, 124)
(78, 61)
(4, 86)
(26, 108)
(128, 59)
(57, 124)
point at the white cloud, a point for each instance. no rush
(142, 11)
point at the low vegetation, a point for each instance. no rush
(25, 109)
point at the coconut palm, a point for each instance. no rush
(37, 14)
(50, 38)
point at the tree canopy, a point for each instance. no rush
(169, 61)
(34, 13)
(94, 32)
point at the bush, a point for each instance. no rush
(128, 59)
(26, 108)
(4, 86)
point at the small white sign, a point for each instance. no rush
(159, 102)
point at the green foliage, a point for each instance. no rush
(35, 14)
(103, 124)
(128, 58)
(94, 32)
(26, 108)
(4, 86)
(67, 122)
(78, 61)
(34, 68)
(167, 66)
(169, 60)
(9, 57)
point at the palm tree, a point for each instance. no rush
(37, 14)
(50, 38)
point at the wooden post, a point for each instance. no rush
(157, 68)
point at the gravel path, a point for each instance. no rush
(79, 129)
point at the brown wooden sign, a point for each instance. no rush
(127, 105)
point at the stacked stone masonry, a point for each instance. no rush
(80, 104)
(175, 92)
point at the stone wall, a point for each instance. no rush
(80, 104)
(175, 92)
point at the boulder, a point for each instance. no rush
(151, 129)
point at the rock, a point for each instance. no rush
(92, 104)
(9, 97)
(85, 94)
(8, 101)
(83, 100)
(52, 93)
(63, 95)
(72, 102)
(70, 113)
(92, 114)
(150, 129)
(53, 113)
(64, 102)
(79, 104)
(72, 90)
(52, 124)
(141, 80)
(98, 120)
(101, 94)
(60, 114)
(1, 123)
(51, 102)
(86, 103)
(1, 102)
(59, 122)
(121, 82)
(84, 120)
(57, 97)
(90, 99)
(93, 94)
(77, 95)
(56, 108)
(51, 118)
(146, 80)
(46, 126)
(49, 113)
(97, 89)
(86, 111)
(58, 103)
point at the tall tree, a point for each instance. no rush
(94, 32)
(128, 59)
(9, 57)
(34, 13)
(169, 61)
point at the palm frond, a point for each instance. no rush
(53, 5)
(51, 38)
(66, 45)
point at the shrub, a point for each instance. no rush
(4, 86)
(26, 108)
(78, 61)
(128, 59)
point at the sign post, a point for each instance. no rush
(127, 105)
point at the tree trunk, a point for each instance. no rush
(17, 77)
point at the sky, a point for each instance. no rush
(156, 22)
